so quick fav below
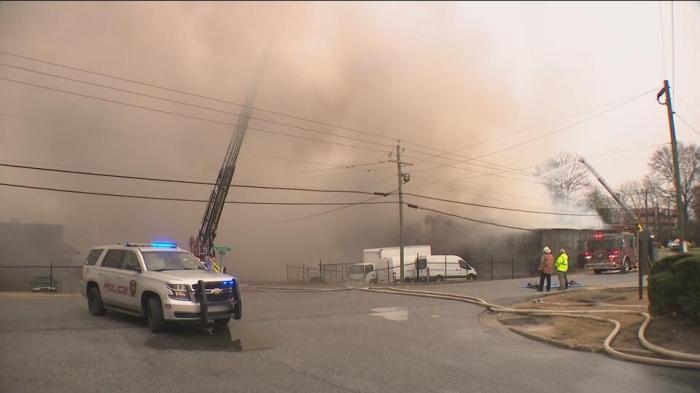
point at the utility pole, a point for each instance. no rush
(676, 166)
(403, 178)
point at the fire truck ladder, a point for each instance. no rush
(203, 245)
(612, 193)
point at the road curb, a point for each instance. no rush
(558, 343)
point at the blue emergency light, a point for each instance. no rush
(163, 245)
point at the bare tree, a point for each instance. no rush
(633, 195)
(696, 202)
(564, 175)
(598, 200)
(661, 165)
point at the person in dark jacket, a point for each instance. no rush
(546, 268)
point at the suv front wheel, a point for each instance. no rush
(154, 315)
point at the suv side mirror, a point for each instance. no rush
(134, 268)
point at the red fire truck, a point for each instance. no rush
(612, 250)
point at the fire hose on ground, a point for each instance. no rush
(678, 359)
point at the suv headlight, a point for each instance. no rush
(178, 291)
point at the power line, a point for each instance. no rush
(663, 39)
(673, 49)
(556, 131)
(364, 201)
(484, 194)
(188, 116)
(74, 127)
(197, 95)
(221, 111)
(492, 166)
(414, 206)
(596, 156)
(500, 207)
(152, 85)
(192, 200)
(193, 105)
(533, 127)
(156, 179)
(687, 123)
(192, 94)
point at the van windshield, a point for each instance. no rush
(360, 269)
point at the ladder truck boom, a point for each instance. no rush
(202, 246)
(610, 191)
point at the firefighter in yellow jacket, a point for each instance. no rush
(562, 266)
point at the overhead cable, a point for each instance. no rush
(186, 116)
(192, 200)
(164, 180)
(499, 207)
(414, 206)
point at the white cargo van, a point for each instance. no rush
(363, 273)
(379, 262)
(442, 267)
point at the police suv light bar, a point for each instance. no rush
(154, 244)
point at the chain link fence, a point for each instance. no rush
(50, 278)
(493, 268)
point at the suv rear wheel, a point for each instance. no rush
(95, 304)
(154, 314)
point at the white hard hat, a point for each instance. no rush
(546, 249)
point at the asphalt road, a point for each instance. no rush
(348, 341)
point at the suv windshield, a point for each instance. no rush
(158, 261)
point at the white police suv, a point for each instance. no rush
(159, 281)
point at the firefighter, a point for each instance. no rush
(546, 269)
(562, 266)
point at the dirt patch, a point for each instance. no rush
(671, 333)
(676, 334)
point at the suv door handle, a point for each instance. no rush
(100, 274)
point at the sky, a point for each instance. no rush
(500, 86)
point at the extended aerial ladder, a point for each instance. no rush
(203, 245)
(612, 193)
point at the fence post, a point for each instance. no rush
(287, 272)
(303, 272)
(512, 266)
(493, 261)
(445, 276)
(387, 273)
(320, 271)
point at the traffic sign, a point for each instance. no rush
(222, 249)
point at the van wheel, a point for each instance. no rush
(597, 271)
(471, 277)
(154, 315)
(373, 281)
(95, 304)
(439, 278)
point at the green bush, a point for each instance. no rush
(674, 286)
(665, 264)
